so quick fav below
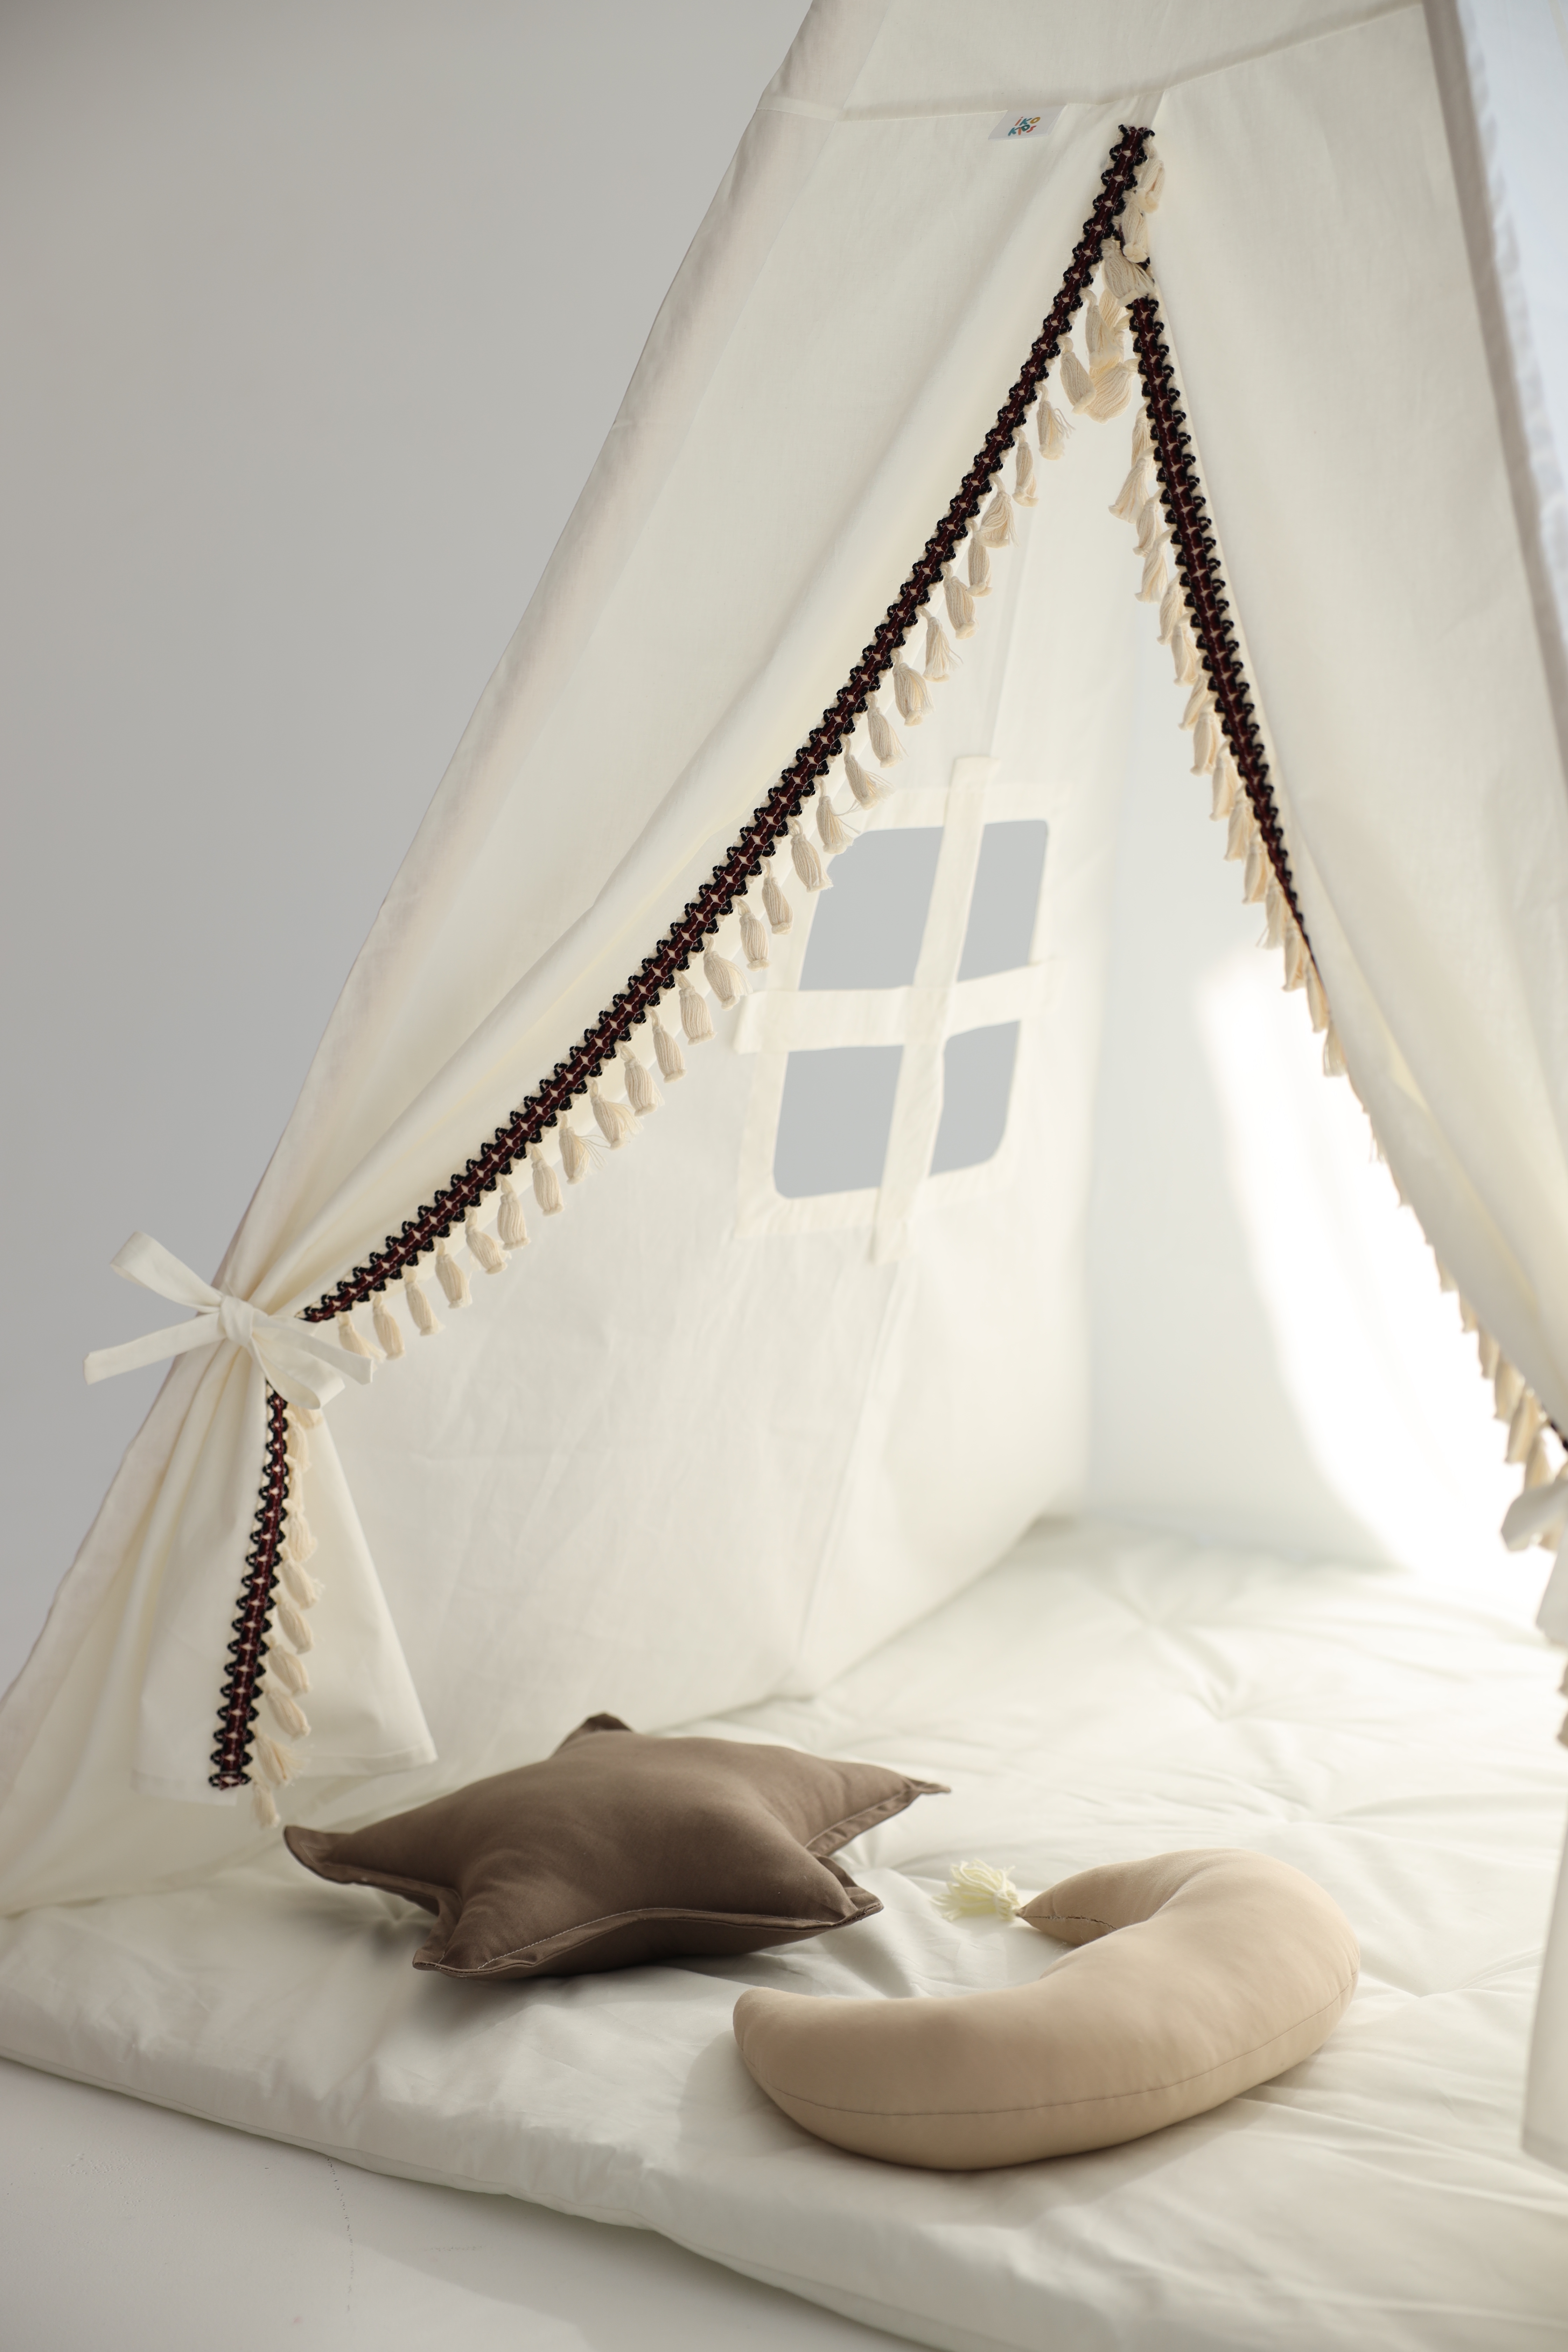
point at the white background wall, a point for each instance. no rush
(317, 315)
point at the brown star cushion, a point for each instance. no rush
(619, 1849)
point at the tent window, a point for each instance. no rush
(976, 1087)
(866, 930)
(1002, 909)
(835, 1121)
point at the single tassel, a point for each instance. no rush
(419, 1307)
(1200, 699)
(546, 1184)
(286, 1713)
(727, 981)
(1052, 430)
(262, 1807)
(979, 567)
(960, 605)
(1239, 839)
(1143, 436)
(484, 1248)
(1135, 491)
(807, 863)
(1524, 1428)
(939, 655)
(1125, 279)
(667, 1049)
(780, 914)
(299, 1440)
(1206, 742)
(1155, 578)
(299, 1540)
(1333, 1053)
(831, 829)
(1150, 184)
(1295, 958)
(909, 693)
(695, 1017)
(1112, 391)
(755, 943)
(1134, 233)
(1112, 318)
(576, 1157)
(387, 1329)
(1173, 605)
(1077, 382)
(1274, 910)
(1094, 332)
(885, 745)
(1184, 655)
(1316, 1002)
(299, 1585)
(1025, 494)
(277, 1766)
(1507, 1387)
(1151, 526)
(292, 1671)
(1255, 881)
(451, 1278)
(349, 1339)
(295, 1628)
(863, 785)
(1490, 1354)
(1224, 787)
(1467, 1322)
(996, 525)
(1538, 1466)
(616, 1121)
(512, 1226)
(974, 1889)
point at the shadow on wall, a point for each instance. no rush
(1274, 1362)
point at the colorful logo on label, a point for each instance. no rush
(1026, 126)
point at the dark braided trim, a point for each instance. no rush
(770, 823)
(1187, 511)
(231, 1757)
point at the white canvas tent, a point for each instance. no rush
(690, 1454)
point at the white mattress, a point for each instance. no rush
(1098, 1694)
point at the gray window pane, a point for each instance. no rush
(976, 1087)
(1007, 894)
(866, 930)
(836, 1118)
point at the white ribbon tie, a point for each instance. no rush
(297, 1358)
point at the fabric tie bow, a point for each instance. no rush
(297, 1358)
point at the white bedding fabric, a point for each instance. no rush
(1099, 1695)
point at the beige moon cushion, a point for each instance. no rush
(1198, 1975)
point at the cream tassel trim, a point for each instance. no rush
(1111, 393)
(1239, 839)
(576, 1157)
(616, 1121)
(1507, 1387)
(755, 946)
(1123, 278)
(1256, 880)
(1136, 492)
(974, 1889)
(512, 1226)
(960, 605)
(291, 1671)
(831, 829)
(1173, 605)
(1052, 430)
(695, 1017)
(939, 655)
(296, 1628)
(262, 1807)
(387, 1328)
(1490, 1354)
(667, 1049)
(419, 1307)
(1025, 494)
(979, 567)
(996, 525)
(299, 1585)
(909, 693)
(349, 1340)
(277, 1766)
(286, 1713)
(807, 863)
(641, 1092)
(1224, 784)
(1316, 1002)
(484, 1248)
(727, 981)
(546, 1184)
(865, 786)
(1334, 1066)
(298, 1543)
(1524, 1428)
(451, 1278)
(1077, 382)
(885, 745)
(1155, 578)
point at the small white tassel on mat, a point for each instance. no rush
(511, 1227)
(546, 1184)
(388, 1330)
(419, 1306)
(451, 1278)
(667, 1049)
(484, 1248)
(975, 1888)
